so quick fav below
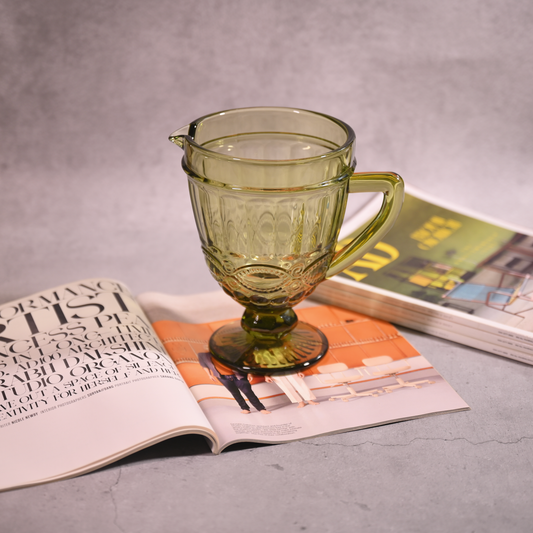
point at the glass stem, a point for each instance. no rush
(269, 325)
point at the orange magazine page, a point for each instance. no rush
(371, 375)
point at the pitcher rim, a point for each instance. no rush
(350, 136)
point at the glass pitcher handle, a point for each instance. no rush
(391, 185)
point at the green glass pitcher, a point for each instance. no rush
(269, 188)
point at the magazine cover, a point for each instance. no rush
(437, 258)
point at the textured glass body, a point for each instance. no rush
(268, 250)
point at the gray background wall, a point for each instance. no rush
(440, 92)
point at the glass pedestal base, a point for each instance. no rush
(301, 347)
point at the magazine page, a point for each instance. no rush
(452, 265)
(370, 376)
(80, 361)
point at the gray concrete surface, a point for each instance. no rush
(438, 92)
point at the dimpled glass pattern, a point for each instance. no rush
(268, 251)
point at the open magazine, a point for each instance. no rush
(444, 271)
(89, 374)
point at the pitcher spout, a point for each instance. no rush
(178, 137)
